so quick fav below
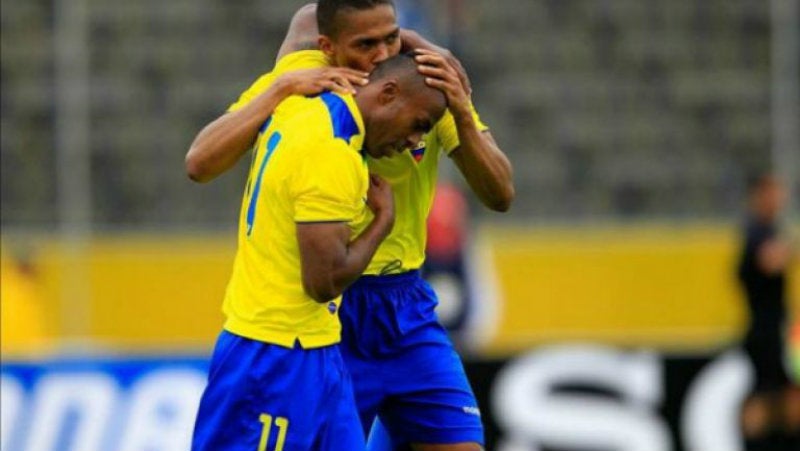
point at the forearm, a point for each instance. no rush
(360, 252)
(411, 40)
(486, 169)
(222, 143)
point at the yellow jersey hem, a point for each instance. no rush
(280, 338)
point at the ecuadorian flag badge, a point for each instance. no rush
(419, 151)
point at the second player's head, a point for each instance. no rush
(358, 33)
(398, 107)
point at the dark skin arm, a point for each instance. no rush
(221, 144)
(330, 261)
(485, 167)
(303, 33)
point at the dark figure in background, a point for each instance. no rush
(771, 414)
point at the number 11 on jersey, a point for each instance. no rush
(281, 423)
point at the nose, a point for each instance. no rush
(381, 53)
(413, 140)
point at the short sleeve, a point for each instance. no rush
(304, 59)
(447, 133)
(330, 185)
(262, 84)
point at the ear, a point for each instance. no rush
(326, 45)
(389, 91)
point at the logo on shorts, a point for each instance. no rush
(332, 307)
(472, 411)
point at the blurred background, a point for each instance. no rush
(632, 126)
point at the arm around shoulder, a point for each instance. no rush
(221, 143)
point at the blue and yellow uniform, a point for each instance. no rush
(277, 380)
(403, 365)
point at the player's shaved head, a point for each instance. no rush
(329, 12)
(403, 68)
(398, 107)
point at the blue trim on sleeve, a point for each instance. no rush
(344, 124)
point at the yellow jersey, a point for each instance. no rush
(306, 167)
(413, 175)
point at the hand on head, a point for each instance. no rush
(314, 81)
(442, 75)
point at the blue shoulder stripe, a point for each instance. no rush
(344, 124)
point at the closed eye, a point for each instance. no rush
(367, 43)
(423, 126)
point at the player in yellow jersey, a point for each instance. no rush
(404, 367)
(276, 379)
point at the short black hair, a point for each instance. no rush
(400, 64)
(405, 68)
(328, 9)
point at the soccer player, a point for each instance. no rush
(276, 379)
(771, 415)
(403, 365)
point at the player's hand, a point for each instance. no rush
(442, 75)
(380, 199)
(314, 81)
(454, 62)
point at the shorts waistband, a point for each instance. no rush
(389, 279)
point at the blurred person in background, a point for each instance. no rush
(771, 414)
(445, 257)
(388, 315)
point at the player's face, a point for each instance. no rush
(366, 38)
(401, 124)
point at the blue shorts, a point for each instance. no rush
(262, 396)
(403, 365)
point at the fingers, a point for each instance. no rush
(450, 63)
(314, 81)
(338, 86)
(435, 60)
(462, 74)
(376, 180)
(356, 77)
(438, 74)
(343, 80)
